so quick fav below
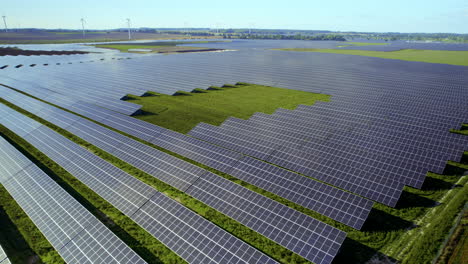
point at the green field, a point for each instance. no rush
(431, 56)
(456, 250)
(182, 112)
(159, 46)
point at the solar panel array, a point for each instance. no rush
(401, 45)
(186, 177)
(337, 204)
(74, 232)
(183, 231)
(349, 149)
(386, 126)
(336, 172)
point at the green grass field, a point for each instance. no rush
(182, 112)
(456, 250)
(431, 56)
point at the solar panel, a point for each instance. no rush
(5, 261)
(203, 152)
(61, 218)
(395, 127)
(314, 240)
(161, 213)
(334, 203)
(119, 188)
(316, 134)
(12, 161)
(395, 166)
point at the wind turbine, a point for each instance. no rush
(82, 26)
(129, 34)
(251, 25)
(186, 27)
(4, 22)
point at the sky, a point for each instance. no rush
(429, 16)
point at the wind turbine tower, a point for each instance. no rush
(82, 26)
(129, 34)
(4, 22)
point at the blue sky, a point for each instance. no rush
(338, 15)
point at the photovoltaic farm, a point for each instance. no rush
(372, 169)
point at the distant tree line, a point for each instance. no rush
(392, 36)
(293, 37)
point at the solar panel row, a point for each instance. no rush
(3, 257)
(344, 84)
(394, 113)
(183, 231)
(183, 68)
(55, 91)
(351, 178)
(74, 232)
(409, 173)
(337, 204)
(182, 175)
